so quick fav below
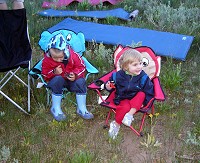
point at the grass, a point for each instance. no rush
(38, 138)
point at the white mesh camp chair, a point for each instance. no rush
(15, 53)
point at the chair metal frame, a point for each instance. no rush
(6, 79)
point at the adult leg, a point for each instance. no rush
(18, 4)
(3, 5)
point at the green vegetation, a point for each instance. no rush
(176, 133)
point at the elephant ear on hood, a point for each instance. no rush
(45, 37)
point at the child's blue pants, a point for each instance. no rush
(58, 83)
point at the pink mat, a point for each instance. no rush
(61, 3)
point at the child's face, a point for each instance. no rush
(58, 57)
(135, 67)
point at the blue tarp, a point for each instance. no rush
(118, 13)
(163, 43)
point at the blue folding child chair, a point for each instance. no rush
(76, 41)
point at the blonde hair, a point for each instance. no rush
(128, 57)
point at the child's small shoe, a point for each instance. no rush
(114, 129)
(58, 117)
(127, 120)
(87, 115)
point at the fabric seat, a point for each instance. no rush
(15, 52)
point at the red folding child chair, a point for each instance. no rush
(151, 65)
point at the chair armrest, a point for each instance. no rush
(89, 67)
(97, 83)
(159, 94)
(36, 72)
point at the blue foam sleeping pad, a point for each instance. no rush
(163, 43)
(118, 13)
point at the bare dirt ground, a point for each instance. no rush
(139, 154)
(172, 149)
(131, 149)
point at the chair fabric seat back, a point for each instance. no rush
(15, 49)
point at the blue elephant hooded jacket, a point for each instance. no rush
(127, 86)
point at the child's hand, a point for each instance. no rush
(71, 76)
(110, 85)
(58, 70)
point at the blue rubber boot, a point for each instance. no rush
(81, 107)
(56, 110)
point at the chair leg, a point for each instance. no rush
(29, 89)
(8, 98)
(141, 126)
(138, 133)
(48, 96)
(142, 122)
(6, 79)
(134, 130)
(107, 119)
(152, 110)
